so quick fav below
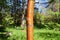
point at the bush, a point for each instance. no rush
(47, 22)
(7, 19)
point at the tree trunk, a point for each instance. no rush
(23, 14)
(30, 13)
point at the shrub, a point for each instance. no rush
(49, 22)
(7, 19)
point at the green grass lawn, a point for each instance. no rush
(39, 34)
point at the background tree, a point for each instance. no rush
(23, 12)
(54, 5)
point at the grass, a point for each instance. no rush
(17, 34)
(39, 34)
(46, 35)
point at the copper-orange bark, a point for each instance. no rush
(30, 13)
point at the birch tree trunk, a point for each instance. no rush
(23, 14)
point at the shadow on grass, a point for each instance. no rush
(2, 30)
(3, 37)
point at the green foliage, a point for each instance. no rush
(50, 21)
(7, 19)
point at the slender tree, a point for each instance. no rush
(23, 13)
